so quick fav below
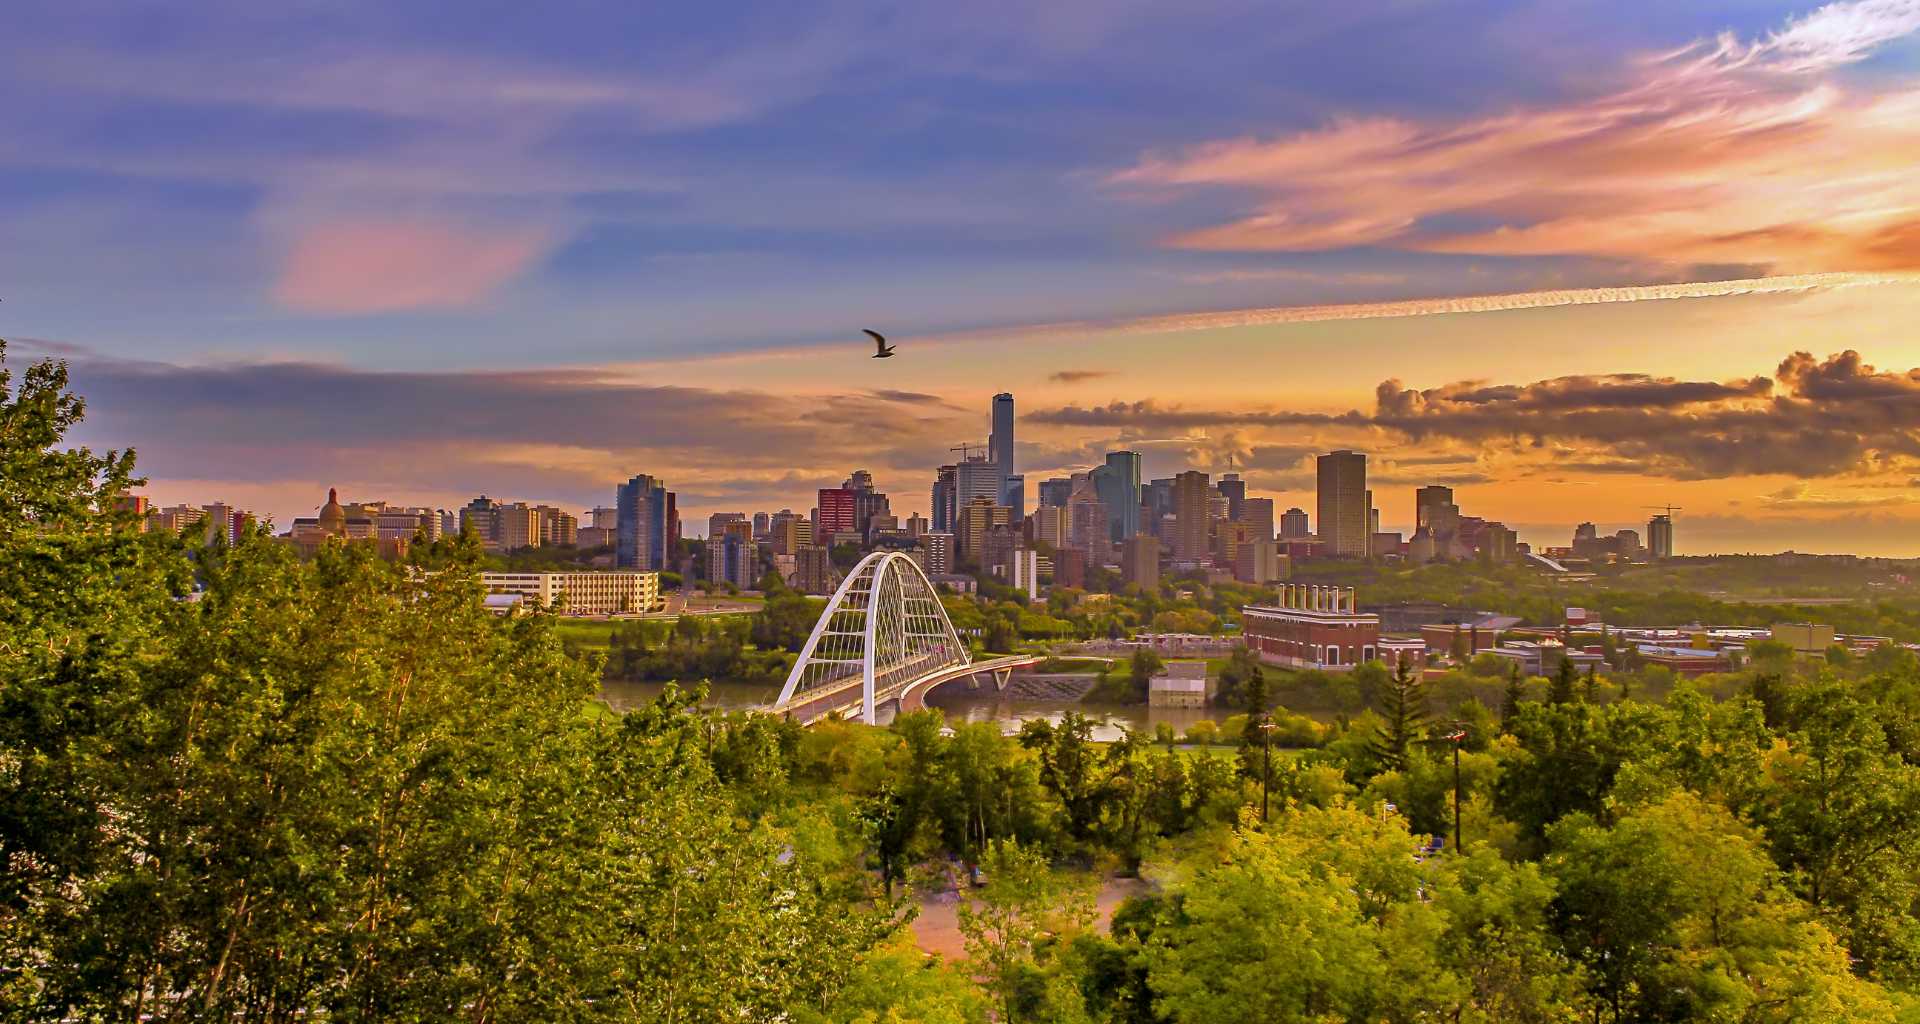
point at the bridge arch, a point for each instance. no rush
(883, 629)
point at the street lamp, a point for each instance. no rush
(1457, 736)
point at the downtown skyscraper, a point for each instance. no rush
(1343, 504)
(1000, 453)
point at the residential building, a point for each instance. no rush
(1312, 627)
(1140, 561)
(646, 524)
(1049, 526)
(581, 593)
(1343, 513)
(813, 570)
(1660, 537)
(938, 545)
(732, 556)
(1257, 513)
(1432, 505)
(1070, 568)
(973, 479)
(944, 508)
(976, 518)
(1023, 572)
(1088, 527)
(837, 512)
(1260, 562)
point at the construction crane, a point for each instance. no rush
(966, 450)
(1668, 509)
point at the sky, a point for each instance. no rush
(1573, 258)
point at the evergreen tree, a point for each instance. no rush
(1561, 690)
(1591, 691)
(1404, 710)
(1510, 701)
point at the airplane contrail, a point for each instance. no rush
(1276, 315)
(1177, 322)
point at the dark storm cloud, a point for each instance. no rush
(1812, 418)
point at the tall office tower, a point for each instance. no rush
(973, 479)
(869, 505)
(645, 525)
(1118, 483)
(1430, 502)
(858, 480)
(1294, 525)
(1055, 491)
(837, 515)
(1660, 537)
(917, 525)
(942, 512)
(1234, 490)
(1373, 520)
(1140, 561)
(1014, 496)
(1000, 445)
(762, 525)
(1257, 513)
(813, 570)
(1343, 504)
(1192, 518)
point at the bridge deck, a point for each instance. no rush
(848, 696)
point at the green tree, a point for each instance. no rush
(1141, 668)
(1560, 691)
(1013, 931)
(1510, 698)
(1403, 715)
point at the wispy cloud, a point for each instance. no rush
(1720, 152)
(372, 267)
(1077, 376)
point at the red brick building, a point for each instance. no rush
(1312, 627)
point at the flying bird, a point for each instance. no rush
(879, 342)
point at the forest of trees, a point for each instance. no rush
(237, 785)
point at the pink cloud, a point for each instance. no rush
(377, 267)
(1720, 152)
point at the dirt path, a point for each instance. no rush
(937, 928)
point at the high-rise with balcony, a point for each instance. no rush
(1660, 537)
(645, 524)
(1343, 504)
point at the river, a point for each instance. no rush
(959, 704)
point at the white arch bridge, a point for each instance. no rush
(884, 637)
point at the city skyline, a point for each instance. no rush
(1572, 263)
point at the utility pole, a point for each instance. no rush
(1456, 736)
(1266, 764)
